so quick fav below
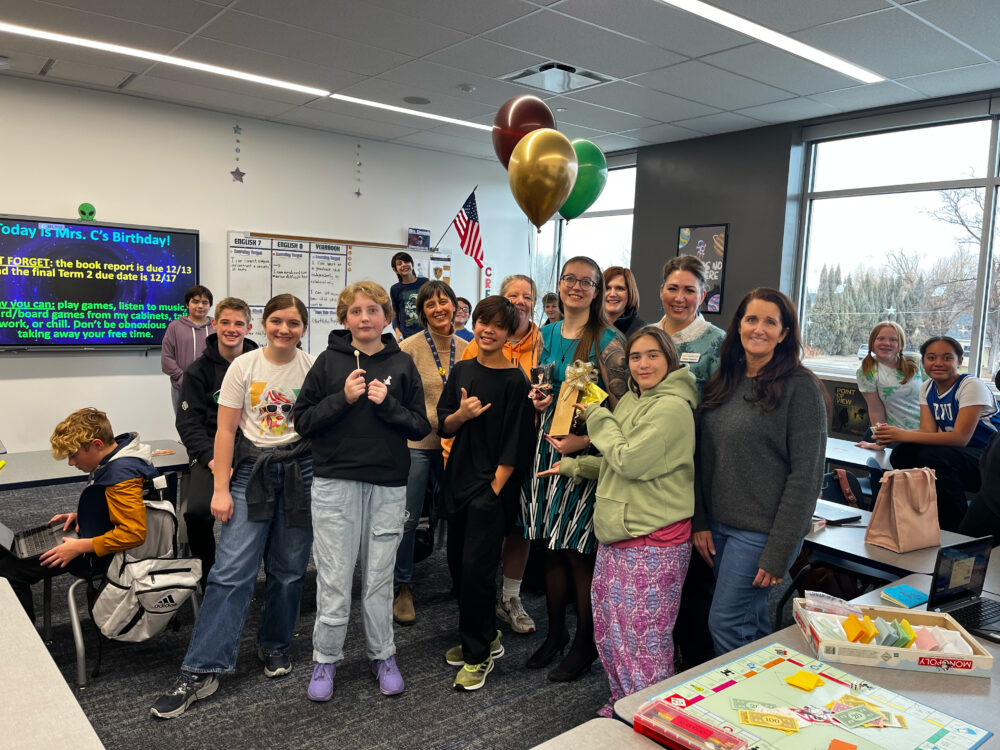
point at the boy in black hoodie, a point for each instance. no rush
(359, 404)
(197, 419)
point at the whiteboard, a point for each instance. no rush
(316, 271)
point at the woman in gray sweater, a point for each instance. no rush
(761, 448)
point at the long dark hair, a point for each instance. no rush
(769, 385)
(597, 321)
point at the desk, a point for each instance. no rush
(992, 583)
(598, 734)
(37, 707)
(38, 468)
(848, 454)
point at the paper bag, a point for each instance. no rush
(905, 516)
(579, 387)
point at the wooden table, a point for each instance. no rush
(37, 706)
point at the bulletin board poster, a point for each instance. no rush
(440, 269)
(708, 243)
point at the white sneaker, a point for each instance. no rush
(511, 611)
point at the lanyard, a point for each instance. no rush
(437, 360)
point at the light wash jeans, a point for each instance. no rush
(349, 516)
(739, 609)
(215, 641)
(424, 464)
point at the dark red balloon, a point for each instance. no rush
(515, 119)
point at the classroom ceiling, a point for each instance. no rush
(668, 75)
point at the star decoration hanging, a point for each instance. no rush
(237, 129)
(237, 175)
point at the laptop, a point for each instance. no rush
(957, 587)
(35, 541)
(835, 514)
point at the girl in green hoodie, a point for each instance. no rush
(642, 516)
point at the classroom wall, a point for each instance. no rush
(151, 163)
(750, 179)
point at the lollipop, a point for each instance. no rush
(357, 358)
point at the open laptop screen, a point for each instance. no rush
(960, 571)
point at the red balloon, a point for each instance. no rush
(515, 119)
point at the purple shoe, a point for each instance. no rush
(390, 681)
(321, 684)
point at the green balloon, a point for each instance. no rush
(591, 178)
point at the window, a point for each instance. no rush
(895, 232)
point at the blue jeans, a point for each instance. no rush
(215, 641)
(349, 516)
(739, 609)
(424, 464)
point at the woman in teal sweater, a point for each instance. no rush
(642, 516)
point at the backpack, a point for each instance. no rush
(146, 585)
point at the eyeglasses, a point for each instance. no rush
(466, 310)
(570, 280)
(273, 408)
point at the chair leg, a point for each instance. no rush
(74, 620)
(47, 611)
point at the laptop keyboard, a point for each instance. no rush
(980, 612)
(36, 544)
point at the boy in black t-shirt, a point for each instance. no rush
(485, 406)
(403, 296)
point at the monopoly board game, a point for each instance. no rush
(757, 681)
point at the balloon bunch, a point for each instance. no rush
(547, 172)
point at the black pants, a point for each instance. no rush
(692, 638)
(199, 520)
(956, 469)
(984, 512)
(22, 574)
(475, 536)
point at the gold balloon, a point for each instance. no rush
(541, 173)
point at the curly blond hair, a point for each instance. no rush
(78, 430)
(369, 289)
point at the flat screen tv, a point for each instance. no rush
(87, 285)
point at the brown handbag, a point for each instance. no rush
(905, 516)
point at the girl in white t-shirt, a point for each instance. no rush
(958, 417)
(889, 381)
(263, 507)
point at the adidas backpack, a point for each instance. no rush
(146, 585)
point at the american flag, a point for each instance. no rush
(467, 226)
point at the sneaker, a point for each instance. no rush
(454, 654)
(188, 688)
(473, 676)
(275, 665)
(390, 681)
(321, 683)
(512, 611)
(402, 606)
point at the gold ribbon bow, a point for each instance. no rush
(580, 384)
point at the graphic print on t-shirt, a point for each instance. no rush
(272, 407)
(410, 307)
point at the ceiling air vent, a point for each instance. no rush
(556, 78)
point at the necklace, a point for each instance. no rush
(437, 360)
(563, 346)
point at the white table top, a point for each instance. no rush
(598, 734)
(37, 706)
(847, 453)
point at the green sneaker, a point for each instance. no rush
(454, 654)
(473, 676)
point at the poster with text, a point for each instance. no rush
(708, 243)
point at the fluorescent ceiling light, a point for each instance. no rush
(415, 113)
(769, 36)
(156, 57)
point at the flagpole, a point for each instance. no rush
(450, 225)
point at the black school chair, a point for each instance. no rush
(834, 493)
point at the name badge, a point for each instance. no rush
(690, 357)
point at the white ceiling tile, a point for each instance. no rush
(211, 98)
(245, 88)
(41, 48)
(441, 142)
(794, 15)
(446, 80)
(353, 20)
(703, 83)
(771, 65)
(789, 110)
(724, 122)
(975, 22)
(961, 80)
(89, 74)
(663, 134)
(592, 116)
(301, 44)
(409, 123)
(659, 24)
(609, 143)
(575, 43)
(866, 97)
(252, 60)
(470, 17)
(22, 62)
(890, 43)
(180, 15)
(342, 123)
(576, 131)
(637, 100)
(486, 58)
(387, 92)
